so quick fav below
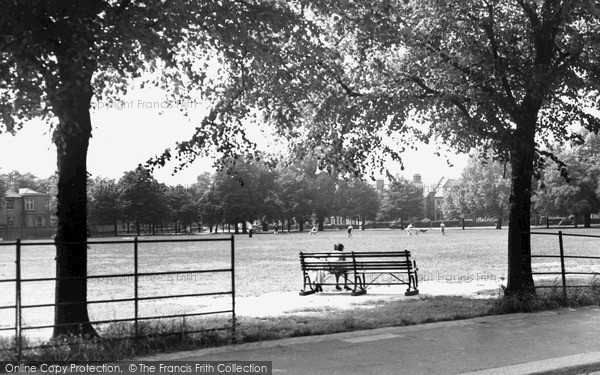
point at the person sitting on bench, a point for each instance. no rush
(339, 270)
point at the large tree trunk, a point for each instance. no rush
(71, 136)
(520, 280)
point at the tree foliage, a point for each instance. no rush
(57, 56)
(356, 200)
(497, 75)
(482, 191)
(402, 200)
(104, 201)
(143, 199)
(579, 195)
(183, 205)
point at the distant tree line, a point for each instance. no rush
(566, 188)
(298, 194)
(246, 193)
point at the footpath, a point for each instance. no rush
(565, 341)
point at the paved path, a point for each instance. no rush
(548, 342)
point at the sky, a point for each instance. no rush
(130, 132)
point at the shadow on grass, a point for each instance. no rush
(173, 337)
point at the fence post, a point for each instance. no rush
(135, 287)
(18, 318)
(233, 320)
(562, 264)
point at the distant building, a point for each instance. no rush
(433, 196)
(25, 207)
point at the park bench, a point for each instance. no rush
(362, 269)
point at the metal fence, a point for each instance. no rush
(136, 275)
(562, 256)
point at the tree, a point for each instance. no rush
(578, 195)
(402, 200)
(246, 192)
(143, 198)
(322, 196)
(183, 205)
(3, 189)
(57, 56)
(482, 191)
(28, 180)
(211, 209)
(455, 201)
(295, 190)
(357, 200)
(496, 75)
(105, 204)
(203, 183)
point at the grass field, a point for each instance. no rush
(269, 263)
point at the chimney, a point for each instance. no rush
(15, 187)
(416, 178)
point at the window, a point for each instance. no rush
(10, 204)
(10, 221)
(29, 204)
(39, 221)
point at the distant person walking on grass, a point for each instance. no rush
(350, 231)
(443, 228)
(409, 229)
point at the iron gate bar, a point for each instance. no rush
(567, 234)
(18, 311)
(124, 241)
(129, 319)
(566, 256)
(233, 318)
(216, 270)
(566, 273)
(125, 300)
(135, 287)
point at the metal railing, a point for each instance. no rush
(18, 306)
(562, 257)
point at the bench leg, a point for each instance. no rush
(412, 284)
(308, 283)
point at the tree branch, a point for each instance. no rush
(488, 27)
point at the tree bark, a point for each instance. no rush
(520, 279)
(71, 136)
(499, 223)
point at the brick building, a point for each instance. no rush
(23, 207)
